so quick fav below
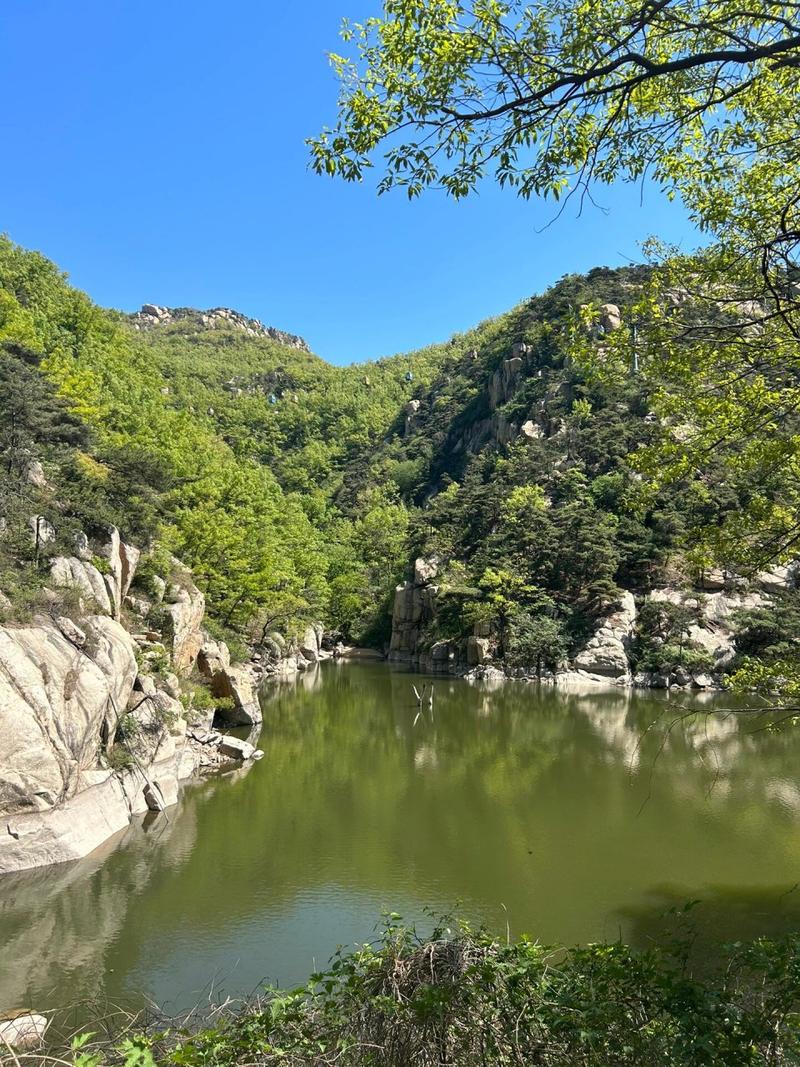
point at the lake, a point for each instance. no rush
(570, 816)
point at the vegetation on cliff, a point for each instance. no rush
(552, 100)
(297, 490)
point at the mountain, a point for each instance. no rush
(296, 490)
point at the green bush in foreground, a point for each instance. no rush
(461, 997)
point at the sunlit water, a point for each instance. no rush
(558, 815)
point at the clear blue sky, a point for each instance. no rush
(155, 150)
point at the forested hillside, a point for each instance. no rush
(225, 449)
(298, 490)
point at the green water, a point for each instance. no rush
(559, 815)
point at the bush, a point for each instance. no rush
(463, 998)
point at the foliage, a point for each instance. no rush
(703, 98)
(88, 399)
(171, 434)
(663, 638)
(461, 997)
(536, 640)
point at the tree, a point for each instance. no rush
(536, 639)
(702, 96)
(549, 98)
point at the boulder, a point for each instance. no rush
(680, 676)
(605, 653)
(122, 562)
(532, 430)
(172, 685)
(22, 1030)
(704, 681)
(213, 656)
(139, 605)
(309, 644)
(493, 676)
(70, 571)
(778, 578)
(83, 549)
(477, 651)
(714, 579)
(610, 317)
(236, 748)
(425, 570)
(42, 531)
(33, 474)
(229, 682)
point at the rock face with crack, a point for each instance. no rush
(185, 610)
(89, 736)
(56, 701)
(414, 605)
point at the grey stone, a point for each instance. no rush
(606, 652)
(34, 474)
(236, 748)
(42, 531)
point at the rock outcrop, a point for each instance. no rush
(230, 683)
(714, 632)
(57, 702)
(153, 315)
(185, 609)
(61, 707)
(414, 605)
(504, 380)
(92, 730)
(104, 589)
(605, 655)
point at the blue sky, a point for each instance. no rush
(155, 151)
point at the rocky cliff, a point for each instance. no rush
(153, 315)
(606, 657)
(97, 719)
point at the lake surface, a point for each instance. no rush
(567, 816)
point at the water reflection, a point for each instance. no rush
(708, 916)
(559, 810)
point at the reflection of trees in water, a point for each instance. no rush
(58, 925)
(521, 729)
(708, 918)
(692, 747)
(499, 795)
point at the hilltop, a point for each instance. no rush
(153, 315)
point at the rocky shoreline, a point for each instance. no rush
(99, 706)
(605, 657)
